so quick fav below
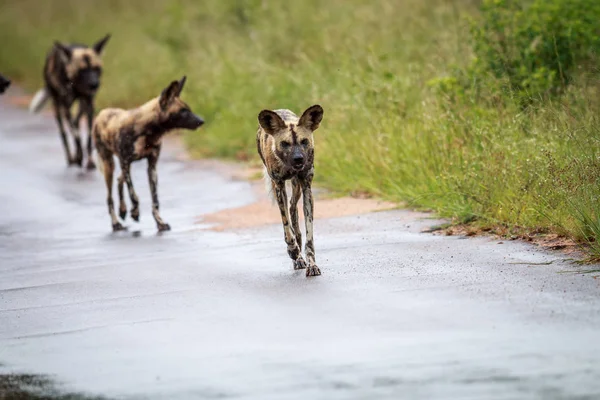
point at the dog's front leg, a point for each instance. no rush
(61, 128)
(88, 108)
(292, 247)
(312, 269)
(74, 128)
(153, 181)
(296, 192)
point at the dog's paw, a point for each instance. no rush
(90, 165)
(163, 227)
(77, 160)
(313, 270)
(122, 213)
(135, 214)
(118, 227)
(299, 263)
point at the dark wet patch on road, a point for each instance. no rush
(36, 387)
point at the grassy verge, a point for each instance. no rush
(386, 131)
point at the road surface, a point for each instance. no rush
(200, 314)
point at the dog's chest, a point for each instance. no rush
(145, 146)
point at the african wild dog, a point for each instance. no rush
(286, 147)
(72, 72)
(135, 134)
(4, 84)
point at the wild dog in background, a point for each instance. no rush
(135, 134)
(4, 84)
(286, 147)
(72, 72)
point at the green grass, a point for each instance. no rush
(368, 63)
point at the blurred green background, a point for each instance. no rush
(483, 111)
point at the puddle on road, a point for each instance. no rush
(36, 387)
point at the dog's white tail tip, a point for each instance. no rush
(38, 101)
(99, 162)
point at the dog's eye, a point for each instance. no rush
(304, 142)
(285, 145)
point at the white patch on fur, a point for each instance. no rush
(39, 100)
(269, 187)
(99, 163)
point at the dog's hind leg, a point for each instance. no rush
(122, 206)
(296, 192)
(153, 181)
(292, 247)
(307, 197)
(108, 169)
(135, 203)
(61, 128)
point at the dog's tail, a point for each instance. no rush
(39, 100)
(99, 162)
(270, 187)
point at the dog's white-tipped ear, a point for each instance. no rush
(181, 84)
(312, 117)
(64, 51)
(168, 95)
(270, 122)
(99, 45)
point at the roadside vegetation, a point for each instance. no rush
(487, 112)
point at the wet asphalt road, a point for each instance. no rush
(195, 314)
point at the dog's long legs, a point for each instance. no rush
(312, 269)
(135, 203)
(74, 128)
(122, 206)
(109, 167)
(86, 107)
(292, 247)
(89, 111)
(153, 181)
(61, 128)
(296, 192)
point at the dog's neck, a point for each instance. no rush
(156, 126)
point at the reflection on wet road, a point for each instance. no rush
(196, 313)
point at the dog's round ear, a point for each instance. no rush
(312, 117)
(63, 51)
(99, 45)
(181, 84)
(168, 95)
(270, 122)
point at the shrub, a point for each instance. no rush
(534, 47)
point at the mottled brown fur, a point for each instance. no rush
(286, 147)
(136, 134)
(72, 73)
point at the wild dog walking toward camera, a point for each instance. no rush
(135, 134)
(4, 84)
(286, 147)
(72, 72)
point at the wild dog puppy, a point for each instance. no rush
(135, 134)
(72, 72)
(286, 147)
(4, 84)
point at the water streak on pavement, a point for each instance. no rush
(195, 313)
